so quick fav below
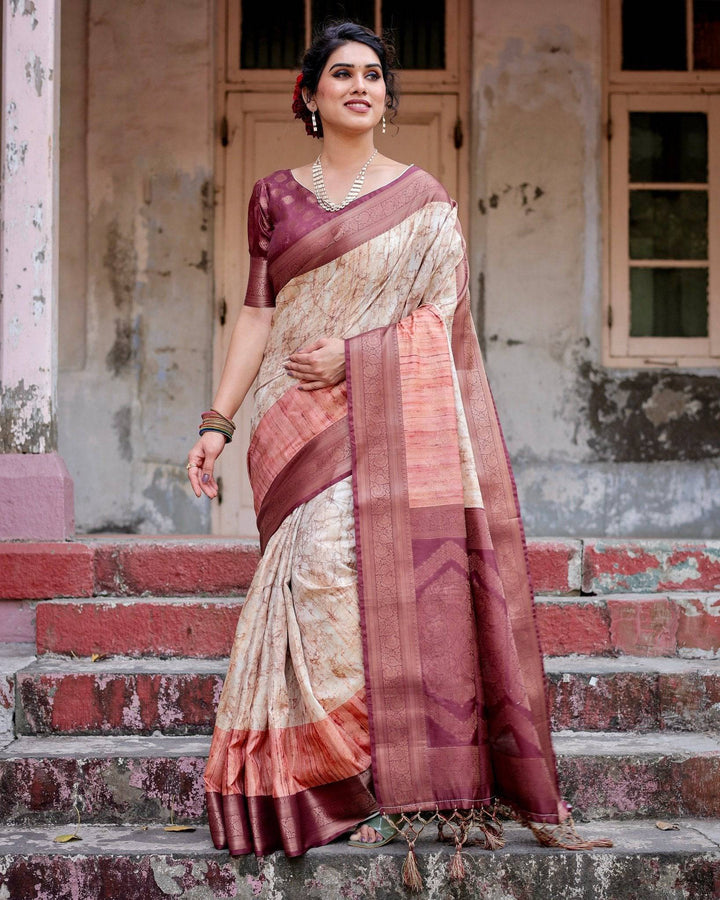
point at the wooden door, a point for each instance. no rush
(259, 135)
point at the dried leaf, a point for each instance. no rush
(667, 826)
(179, 828)
(96, 657)
(64, 838)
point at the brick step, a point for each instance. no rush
(115, 862)
(136, 627)
(674, 624)
(119, 696)
(134, 565)
(179, 696)
(140, 779)
(686, 625)
(633, 694)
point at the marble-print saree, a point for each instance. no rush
(387, 653)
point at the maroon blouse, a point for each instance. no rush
(281, 211)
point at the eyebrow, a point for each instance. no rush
(352, 66)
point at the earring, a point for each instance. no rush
(314, 122)
(383, 123)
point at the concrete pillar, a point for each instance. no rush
(35, 487)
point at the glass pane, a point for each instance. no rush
(668, 302)
(362, 11)
(668, 225)
(653, 35)
(418, 30)
(272, 39)
(668, 146)
(706, 36)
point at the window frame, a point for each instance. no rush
(421, 80)
(651, 91)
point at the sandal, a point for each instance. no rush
(382, 826)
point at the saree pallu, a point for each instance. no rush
(387, 654)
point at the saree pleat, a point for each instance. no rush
(387, 654)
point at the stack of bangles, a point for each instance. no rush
(215, 421)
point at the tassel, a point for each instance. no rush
(410, 872)
(457, 866)
(494, 839)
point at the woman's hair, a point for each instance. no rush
(316, 56)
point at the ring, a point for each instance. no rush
(192, 466)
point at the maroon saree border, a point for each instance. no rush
(375, 403)
(355, 225)
(321, 462)
(309, 818)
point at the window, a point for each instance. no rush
(663, 304)
(264, 45)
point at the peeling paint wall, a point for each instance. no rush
(139, 370)
(28, 232)
(596, 451)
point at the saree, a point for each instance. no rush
(387, 654)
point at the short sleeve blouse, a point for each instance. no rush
(260, 291)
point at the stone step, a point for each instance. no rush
(179, 696)
(114, 862)
(143, 779)
(673, 624)
(13, 658)
(686, 625)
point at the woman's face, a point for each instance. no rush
(351, 92)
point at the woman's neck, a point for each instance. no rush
(346, 152)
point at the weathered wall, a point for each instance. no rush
(137, 286)
(596, 451)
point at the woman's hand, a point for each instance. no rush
(202, 462)
(318, 365)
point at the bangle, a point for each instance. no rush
(215, 421)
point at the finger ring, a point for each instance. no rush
(192, 466)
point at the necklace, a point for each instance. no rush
(321, 193)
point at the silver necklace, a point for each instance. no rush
(321, 193)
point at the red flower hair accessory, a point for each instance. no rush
(299, 108)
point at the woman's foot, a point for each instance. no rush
(366, 835)
(375, 831)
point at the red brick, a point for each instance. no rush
(555, 566)
(572, 626)
(699, 624)
(138, 628)
(650, 566)
(39, 571)
(174, 567)
(643, 626)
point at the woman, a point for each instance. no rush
(386, 662)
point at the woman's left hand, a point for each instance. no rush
(320, 364)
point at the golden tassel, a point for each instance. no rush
(457, 866)
(410, 872)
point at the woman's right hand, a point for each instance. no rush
(202, 463)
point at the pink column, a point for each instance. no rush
(36, 498)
